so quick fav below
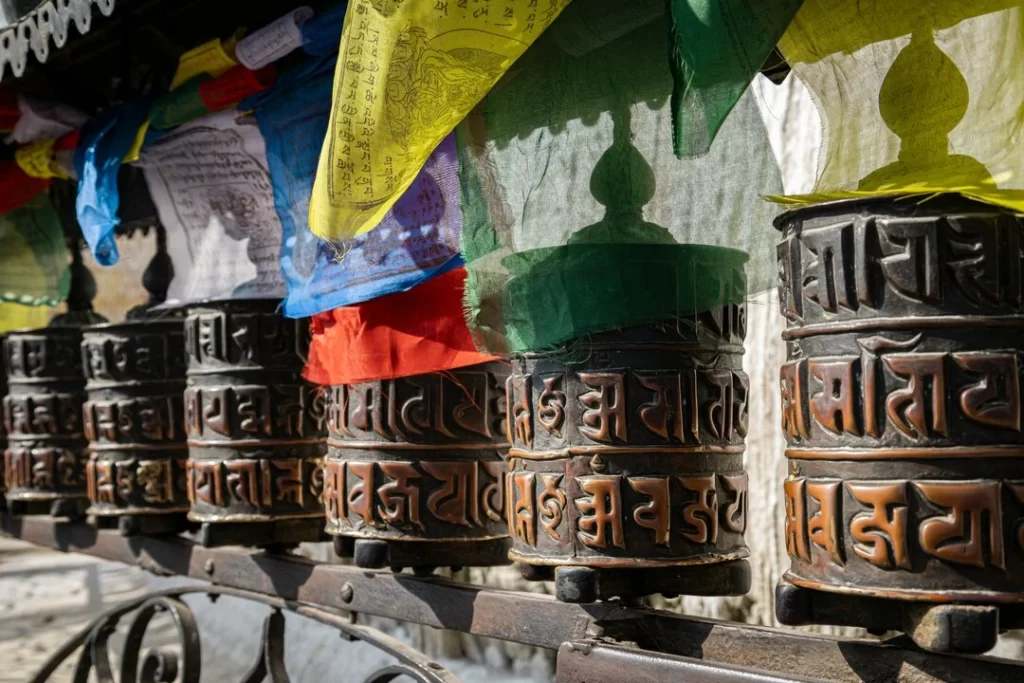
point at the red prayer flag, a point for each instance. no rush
(69, 141)
(17, 187)
(234, 85)
(409, 333)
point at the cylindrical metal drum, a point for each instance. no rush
(44, 465)
(626, 467)
(135, 376)
(255, 428)
(3, 424)
(414, 472)
(902, 412)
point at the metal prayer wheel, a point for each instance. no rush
(3, 424)
(135, 376)
(255, 427)
(414, 475)
(625, 473)
(44, 464)
(902, 412)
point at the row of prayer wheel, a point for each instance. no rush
(614, 464)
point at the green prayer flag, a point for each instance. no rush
(716, 47)
(34, 260)
(577, 216)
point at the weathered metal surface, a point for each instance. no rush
(3, 423)
(255, 428)
(415, 464)
(531, 619)
(901, 401)
(598, 662)
(135, 376)
(46, 453)
(627, 450)
(184, 663)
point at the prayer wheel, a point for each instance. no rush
(3, 425)
(902, 412)
(625, 473)
(135, 376)
(255, 427)
(414, 473)
(44, 464)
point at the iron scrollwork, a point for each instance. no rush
(183, 665)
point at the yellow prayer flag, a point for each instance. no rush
(916, 96)
(213, 57)
(133, 151)
(407, 73)
(20, 317)
(36, 159)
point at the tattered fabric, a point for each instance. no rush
(418, 238)
(717, 47)
(408, 73)
(204, 94)
(34, 259)
(409, 333)
(915, 96)
(103, 144)
(577, 216)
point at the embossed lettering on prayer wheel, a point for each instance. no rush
(46, 452)
(135, 376)
(627, 454)
(3, 423)
(418, 459)
(901, 400)
(255, 427)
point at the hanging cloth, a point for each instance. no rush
(410, 333)
(209, 182)
(103, 143)
(716, 49)
(34, 259)
(39, 119)
(18, 187)
(21, 317)
(274, 41)
(211, 59)
(320, 35)
(578, 217)
(418, 238)
(204, 94)
(915, 96)
(408, 73)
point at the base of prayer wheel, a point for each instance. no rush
(282, 532)
(423, 557)
(59, 508)
(590, 584)
(954, 628)
(145, 525)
